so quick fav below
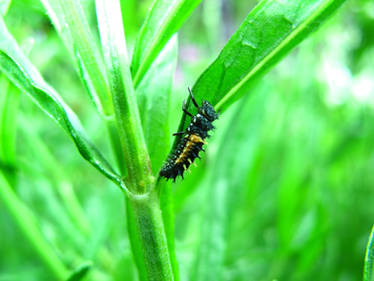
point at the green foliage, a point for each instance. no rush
(266, 35)
(284, 190)
(163, 20)
(70, 21)
(369, 259)
(25, 76)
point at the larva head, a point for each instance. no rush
(208, 111)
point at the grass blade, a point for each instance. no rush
(25, 76)
(268, 33)
(163, 20)
(369, 259)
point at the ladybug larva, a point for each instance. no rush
(188, 148)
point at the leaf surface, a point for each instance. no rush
(369, 259)
(71, 24)
(268, 33)
(163, 20)
(25, 76)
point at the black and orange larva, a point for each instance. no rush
(187, 150)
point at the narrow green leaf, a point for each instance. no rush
(369, 259)
(139, 177)
(71, 23)
(26, 77)
(9, 101)
(26, 222)
(153, 97)
(163, 20)
(268, 33)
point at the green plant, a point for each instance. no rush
(132, 97)
(369, 257)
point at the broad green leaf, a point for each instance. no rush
(126, 111)
(369, 259)
(225, 191)
(4, 6)
(268, 33)
(28, 226)
(70, 22)
(153, 97)
(163, 20)
(26, 77)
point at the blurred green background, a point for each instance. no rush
(284, 192)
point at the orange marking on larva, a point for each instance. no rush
(192, 140)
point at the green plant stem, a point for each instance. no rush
(146, 229)
(115, 144)
(146, 223)
(134, 151)
(25, 220)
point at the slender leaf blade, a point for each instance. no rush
(9, 103)
(163, 20)
(26, 77)
(369, 259)
(71, 23)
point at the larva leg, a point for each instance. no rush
(178, 133)
(185, 109)
(192, 98)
